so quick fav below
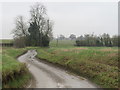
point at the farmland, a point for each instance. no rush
(98, 64)
(6, 41)
(60, 45)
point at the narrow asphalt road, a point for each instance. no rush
(49, 76)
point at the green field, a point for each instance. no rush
(62, 43)
(98, 64)
(6, 41)
(14, 73)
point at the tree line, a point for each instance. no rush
(101, 40)
(93, 40)
(38, 30)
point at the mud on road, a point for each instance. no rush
(48, 76)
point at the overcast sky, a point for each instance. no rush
(69, 17)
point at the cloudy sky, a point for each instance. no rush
(69, 17)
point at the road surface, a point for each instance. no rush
(49, 76)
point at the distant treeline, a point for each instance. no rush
(6, 44)
(101, 40)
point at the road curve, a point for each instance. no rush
(48, 76)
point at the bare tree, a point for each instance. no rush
(20, 32)
(20, 29)
(38, 12)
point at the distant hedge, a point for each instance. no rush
(93, 40)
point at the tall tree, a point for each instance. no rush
(43, 24)
(34, 34)
(20, 32)
(20, 29)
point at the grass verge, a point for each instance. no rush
(14, 73)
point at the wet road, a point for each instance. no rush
(49, 76)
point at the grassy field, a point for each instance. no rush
(62, 43)
(14, 73)
(99, 64)
(6, 41)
